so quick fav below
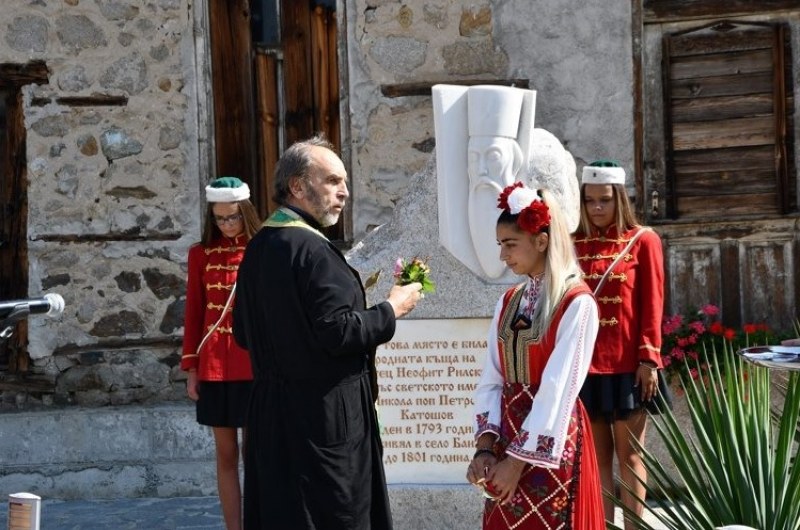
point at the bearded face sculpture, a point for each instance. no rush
(485, 141)
(482, 135)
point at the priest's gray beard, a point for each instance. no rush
(322, 212)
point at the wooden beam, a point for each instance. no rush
(659, 11)
(14, 75)
(423, 88)
(97, 100)
(119, 344)
(27, 383)
(266, 68)
(109, 237)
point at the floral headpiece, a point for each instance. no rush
(533, 214)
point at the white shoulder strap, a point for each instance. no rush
(216, 324)
(622, 254)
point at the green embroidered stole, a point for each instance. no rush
(285, 217)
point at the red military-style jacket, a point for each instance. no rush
(212, 274)
(632, 300)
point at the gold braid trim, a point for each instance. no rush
(610, 299)
(219, 286)
(220, 250)
(221, 329)
(222, 267)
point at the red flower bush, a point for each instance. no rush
(685, 338)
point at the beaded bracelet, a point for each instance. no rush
(483, 451)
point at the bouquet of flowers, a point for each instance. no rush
(415, 270)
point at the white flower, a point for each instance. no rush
(521, 198)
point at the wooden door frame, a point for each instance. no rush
(14, 262)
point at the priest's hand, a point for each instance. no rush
(404, 298)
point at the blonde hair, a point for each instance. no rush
(624, 216)
(561, 271)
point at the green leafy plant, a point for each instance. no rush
(735, 460)
(415, 270)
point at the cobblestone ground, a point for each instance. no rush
(150, 514)
(123, 514)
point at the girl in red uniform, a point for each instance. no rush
(534, 451)
(219, 373)
(622, 263)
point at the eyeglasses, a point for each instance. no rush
(228, 220)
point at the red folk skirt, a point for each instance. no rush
(567, 498)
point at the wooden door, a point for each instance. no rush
(297, 83)
(235, 142)
(719, 176)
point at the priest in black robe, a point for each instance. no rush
(313, 454)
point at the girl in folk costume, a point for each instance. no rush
(219, 373)
(535, 457)
(623, 264)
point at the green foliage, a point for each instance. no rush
(415, 270)
(735, 465)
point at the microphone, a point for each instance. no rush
(51, 304)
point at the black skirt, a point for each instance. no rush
(223, 403)
(612, 397)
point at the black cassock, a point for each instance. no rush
(313, 455)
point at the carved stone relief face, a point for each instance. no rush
(494, 158)
(492, 164)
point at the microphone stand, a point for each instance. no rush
(8, 322)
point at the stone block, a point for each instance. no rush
(27, 34)
(446, 507)
(399, 55)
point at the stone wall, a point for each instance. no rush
(113, 193)
(576, 54)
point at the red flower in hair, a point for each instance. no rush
(502, 200)
(534, 218)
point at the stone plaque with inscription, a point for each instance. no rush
(427, 376)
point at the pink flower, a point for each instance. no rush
(671, 324)
(710, 310)
(692, 355)
(398, 267)
(678, 353)
(694, 373)
(698, 327)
